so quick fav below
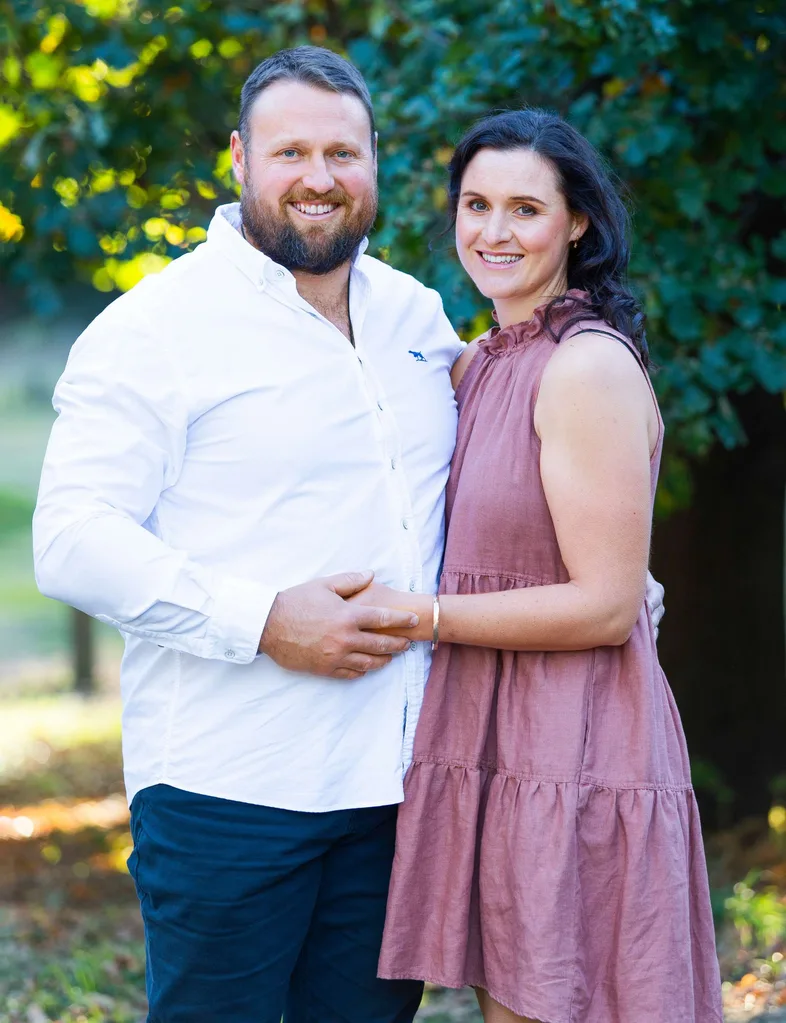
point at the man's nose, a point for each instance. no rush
(317, 177)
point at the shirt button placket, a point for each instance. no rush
(410, 556)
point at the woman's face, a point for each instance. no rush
(513, 229)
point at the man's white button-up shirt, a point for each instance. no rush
(218, 440)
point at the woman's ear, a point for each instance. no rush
(580, 225)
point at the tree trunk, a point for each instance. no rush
(83, 649)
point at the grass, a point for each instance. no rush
(96, 974)
(30, 625)
(32, 628)
(59, 747)
(24, 431)
(70, 936)
(17, 585)
(71, 944)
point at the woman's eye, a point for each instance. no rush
(477, 206)
(526, 211)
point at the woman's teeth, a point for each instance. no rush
(488, 257)
(314, 210)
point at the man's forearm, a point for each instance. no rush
(115, 570)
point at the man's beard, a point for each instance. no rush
(315, 250)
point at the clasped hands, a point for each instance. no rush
(341, 626)
(345, 625)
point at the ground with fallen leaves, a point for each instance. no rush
(71, 945)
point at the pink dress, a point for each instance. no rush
(549, 847)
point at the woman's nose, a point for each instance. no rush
(496, 230)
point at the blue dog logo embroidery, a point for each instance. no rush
(418, 356)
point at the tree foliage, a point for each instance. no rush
(115, 117)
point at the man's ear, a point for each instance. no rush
(375, 145)
(238, 158)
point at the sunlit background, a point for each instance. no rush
(114, 124)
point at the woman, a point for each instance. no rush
(549, 850)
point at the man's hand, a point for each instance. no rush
(655, 595)
(311, 628)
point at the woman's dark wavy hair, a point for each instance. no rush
(599, 263)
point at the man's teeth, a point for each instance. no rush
(314, 210)
(488, 257)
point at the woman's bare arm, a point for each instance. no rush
(461, 364)
(598, 425)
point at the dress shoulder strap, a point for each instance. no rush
(617, 337)
(624, 341)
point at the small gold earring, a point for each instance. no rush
(576, 243)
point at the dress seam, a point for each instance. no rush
(497, 572)
(590, 700)
(578, 779)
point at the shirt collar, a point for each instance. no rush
(224, 233)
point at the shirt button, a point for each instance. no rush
(392, 463)
(379, 406)
(412, 646)
(412, 586)
(229, 654)
(279, 273)
(405, 523)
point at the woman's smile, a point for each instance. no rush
(500, 260)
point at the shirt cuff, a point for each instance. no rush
(238, 616)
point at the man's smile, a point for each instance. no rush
(315, 211)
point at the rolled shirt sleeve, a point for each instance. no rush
(117, 444)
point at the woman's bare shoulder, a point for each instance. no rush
(461, 364)
(594, 373)
(592, 359)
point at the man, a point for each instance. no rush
(233, 435)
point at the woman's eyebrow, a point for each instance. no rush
(512, 198)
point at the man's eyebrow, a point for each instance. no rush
(288, 143)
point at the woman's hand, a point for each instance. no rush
(379, 595)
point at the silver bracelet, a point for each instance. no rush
(435, 634)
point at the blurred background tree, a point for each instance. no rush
(114, 125)
(115, 118)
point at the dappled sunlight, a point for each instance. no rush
(58, 722)
(63, 812)
(115, 120)
(754, 993)
(11, 227)
(748, 878)
(70, 933)
(66, 817)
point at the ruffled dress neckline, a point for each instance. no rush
(502, 340)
